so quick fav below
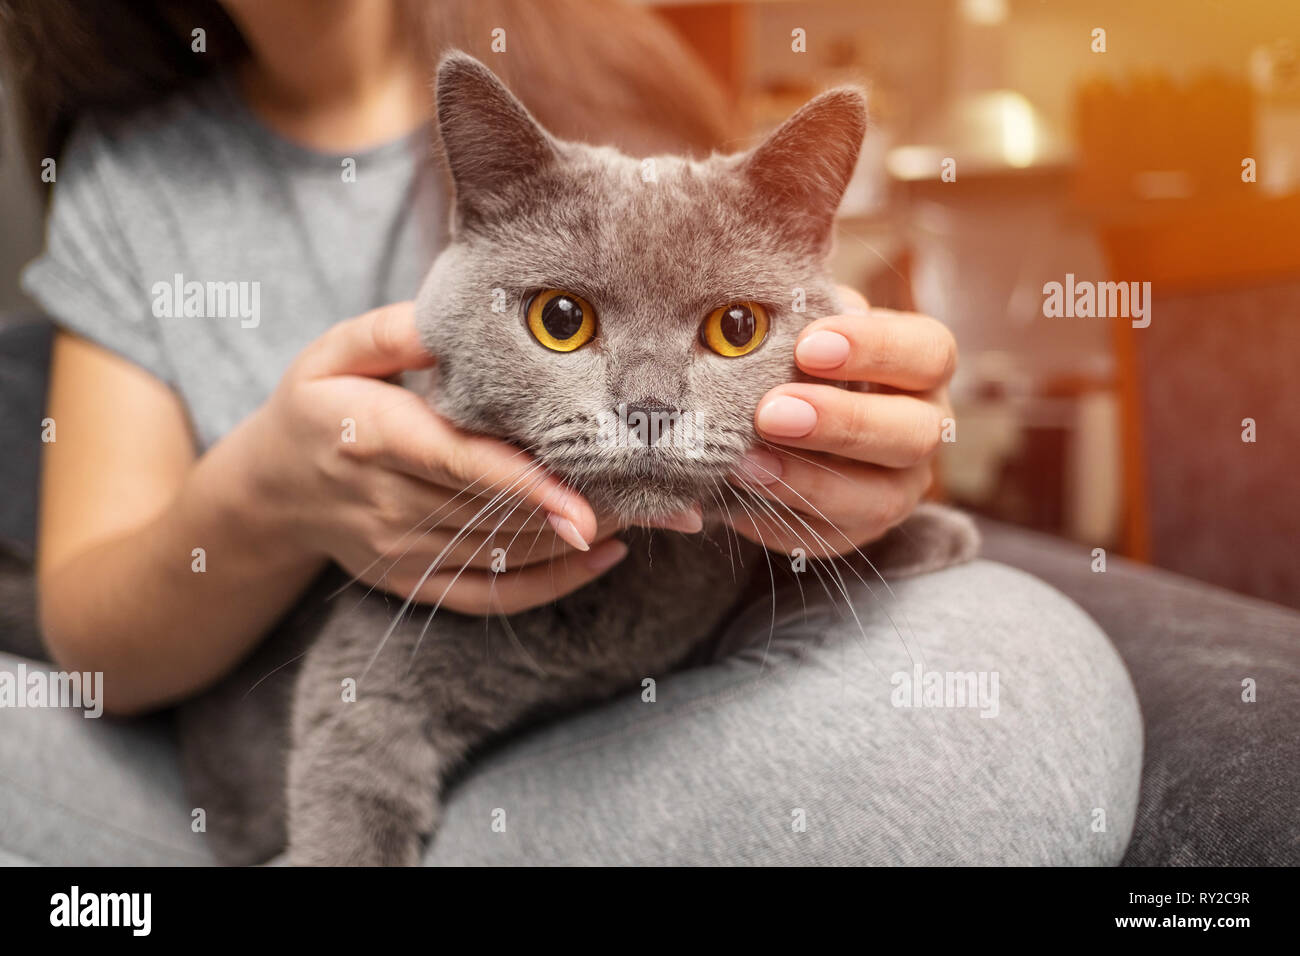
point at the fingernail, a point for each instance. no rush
(564, 503)
(787, 417)
(822, 349)
(690, 521)
(760, 466)
(606, 556)
(568, 531)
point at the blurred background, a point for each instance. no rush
(1104, 139)
(1148, 141)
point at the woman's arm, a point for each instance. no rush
(404, 502)
(124, 504)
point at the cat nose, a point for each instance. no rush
(649, 419)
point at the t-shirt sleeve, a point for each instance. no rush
(86, 279)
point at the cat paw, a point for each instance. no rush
(387, 846)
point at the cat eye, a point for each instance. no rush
(561, 320)
(736, 329)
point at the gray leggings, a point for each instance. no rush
(805, 748)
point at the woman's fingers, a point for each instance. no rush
(867, 453)
(401, 432)
(388, 425)
(379, 343)
(508, 592)
(846, 501)
(451, 552)
(397, 429)
(784, 533)
(485, 546)
(894, 430)
(833, 487)
(900, 349)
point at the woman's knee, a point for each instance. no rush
(1065, 732)
(1003, 725)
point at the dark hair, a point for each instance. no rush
(595, 70)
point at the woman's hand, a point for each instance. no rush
(864, 458)
(367, 474)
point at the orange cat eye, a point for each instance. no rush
(736, 329)
(561, 320)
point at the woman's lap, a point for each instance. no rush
(95, 791)
(790, 751)
(731, 757)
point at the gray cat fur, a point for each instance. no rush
(654, 246)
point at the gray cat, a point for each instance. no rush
(648, 308)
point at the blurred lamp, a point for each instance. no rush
(984, 12)
(998, 131)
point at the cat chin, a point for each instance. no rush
(642, 501)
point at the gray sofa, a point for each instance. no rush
(1221, 780)
(1220, 777)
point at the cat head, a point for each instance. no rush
(620, 318)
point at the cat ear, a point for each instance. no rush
(803, 168)
(490, 140)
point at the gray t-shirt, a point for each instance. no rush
(199, 244)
